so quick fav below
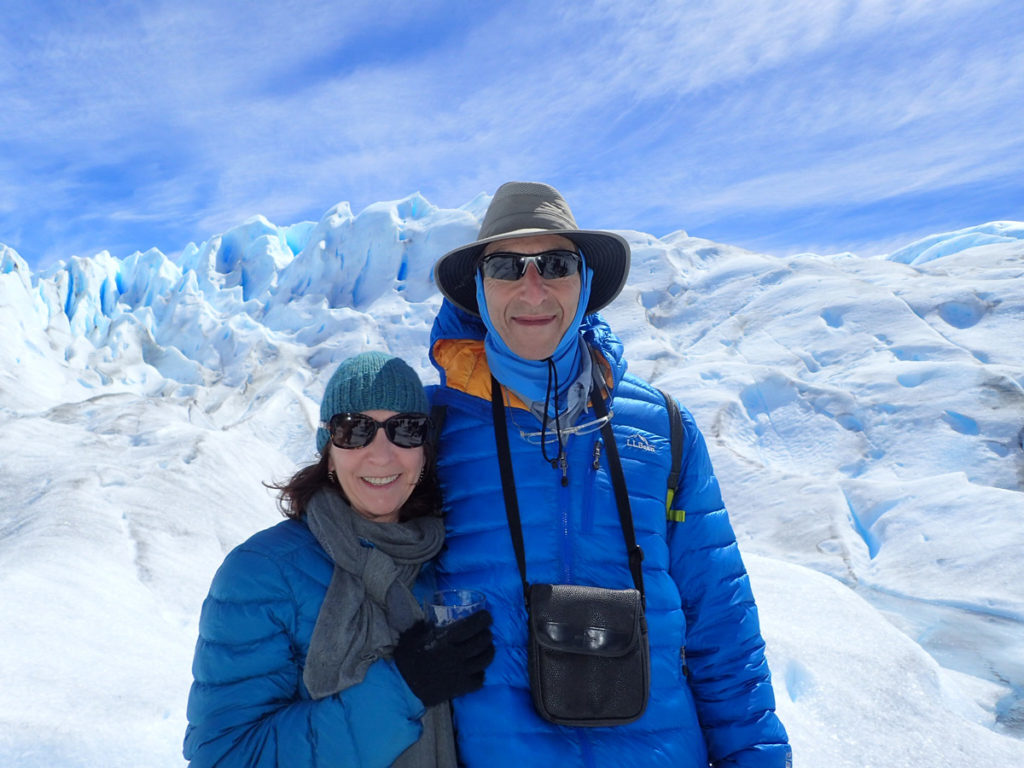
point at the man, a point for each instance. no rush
(520, 305)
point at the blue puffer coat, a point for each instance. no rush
(711, 696)
(248, 706)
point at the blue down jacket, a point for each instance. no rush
(711, 696)
(248, 706)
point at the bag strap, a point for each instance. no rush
(508, 488)
(675, 421)
(636, 555)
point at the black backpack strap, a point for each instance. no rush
(675, 421)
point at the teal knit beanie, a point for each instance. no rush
(371, 381)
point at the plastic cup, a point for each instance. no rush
(448, 605)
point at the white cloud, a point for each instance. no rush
(285, 109)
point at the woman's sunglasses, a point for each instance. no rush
(512, 266)
(356, 430)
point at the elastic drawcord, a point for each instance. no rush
(552, 371)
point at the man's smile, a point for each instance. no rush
(533, 319)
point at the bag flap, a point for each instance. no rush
(578, 619)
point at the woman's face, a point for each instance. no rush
(379, 477)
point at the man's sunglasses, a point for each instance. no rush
(512, 266)
(356, 430)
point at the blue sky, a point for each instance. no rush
(782, 126)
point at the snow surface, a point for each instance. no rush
(865, 416)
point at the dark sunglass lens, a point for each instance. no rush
(503, 266)
(555, 264)
(407, 431)
(352, 430)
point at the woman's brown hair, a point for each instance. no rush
(295, 494)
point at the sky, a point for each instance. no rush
(782, 126)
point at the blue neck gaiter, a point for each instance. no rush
(529, 378)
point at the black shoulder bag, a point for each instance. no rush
(589, 656)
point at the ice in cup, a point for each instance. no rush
(448, 605)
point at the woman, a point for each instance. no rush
(312, 648)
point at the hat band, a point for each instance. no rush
(541, 220)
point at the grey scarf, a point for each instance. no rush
(368, 603)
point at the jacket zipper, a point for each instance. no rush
(564, 500)
(588, 493)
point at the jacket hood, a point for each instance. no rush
(453, 324)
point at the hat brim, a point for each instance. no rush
(606, 253)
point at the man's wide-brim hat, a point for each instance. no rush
(523, 209)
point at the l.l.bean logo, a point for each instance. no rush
(640, 443)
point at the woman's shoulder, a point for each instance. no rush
(271, 557)
(279, 540)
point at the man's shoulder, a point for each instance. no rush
(633, 387)
(638, 398)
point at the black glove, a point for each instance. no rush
(440, 663)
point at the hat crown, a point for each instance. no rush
(526, 205)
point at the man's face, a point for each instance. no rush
(532, 314)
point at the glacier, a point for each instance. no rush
(865, 417)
